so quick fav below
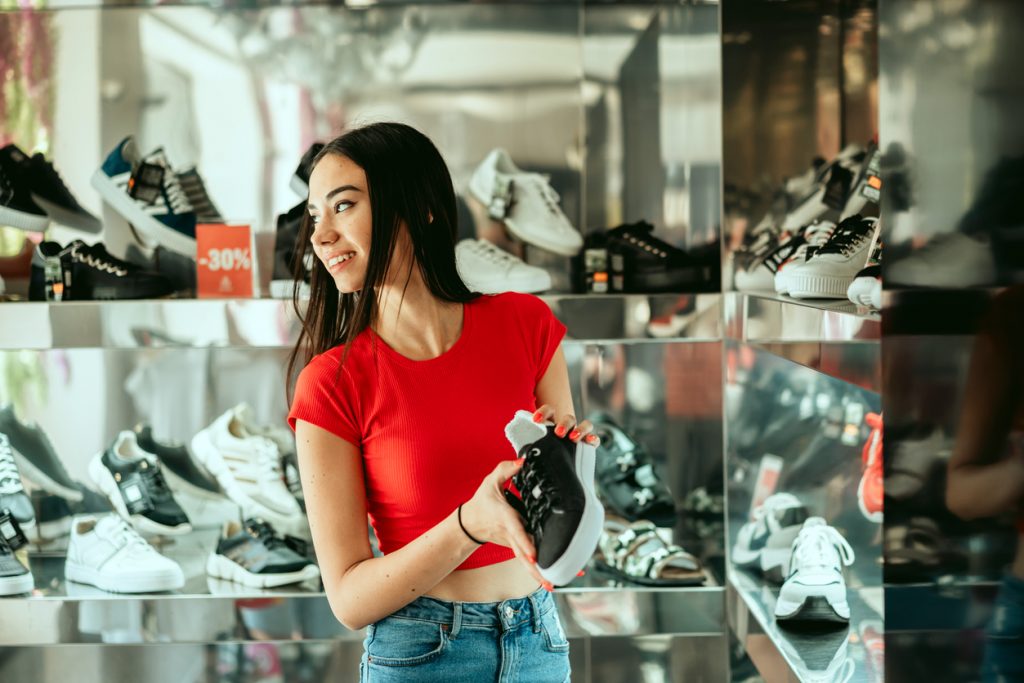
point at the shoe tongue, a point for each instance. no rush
(815, 522)
(522, 430)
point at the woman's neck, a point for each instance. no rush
(411, 320)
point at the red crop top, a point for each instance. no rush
(429, 431)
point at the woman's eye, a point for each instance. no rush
(342, 206)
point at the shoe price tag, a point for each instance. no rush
(11, 531)
(133, 491)
(767, 480)
(146, 183)
(873, 183)
(224, 261)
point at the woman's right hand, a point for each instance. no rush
(488, 517)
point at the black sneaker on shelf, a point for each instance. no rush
(285, 250)
(300, 180)
(89, 273)
(179, 270)
(53, 518)
(17, 208)
(195, 190)
(653, 265)
(12, 492)
(556, 497)
(53, 196)
(254, 555)
(15, 578)
(183, 473)
(132, 480)
(626, 477)
(37, 461)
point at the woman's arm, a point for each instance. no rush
(554, 396)
(362, 589)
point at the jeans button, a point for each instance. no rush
(509, 612)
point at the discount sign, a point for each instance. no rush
(224, 260)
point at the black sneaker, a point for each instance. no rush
(36, 459)
(285, 252)
(17, 208)
(255, 555)
(653, 265)
(557, 499)
(12, 492)
(90, 273)
(627, 479)
(300, 180)
(179, 270)
(53, 518)
(131, 479)
(15, 578)
(181, 469)
(195, 190)
(48, 190)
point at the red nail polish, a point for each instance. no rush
(581, 573)
(548, 587)
(591, 438)
(520, 461)
(574, 434)
(537, 417)
(559, 431)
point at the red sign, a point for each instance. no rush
(224, 261)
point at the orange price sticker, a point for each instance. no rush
(223, 261)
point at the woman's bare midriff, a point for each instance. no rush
(492, 583)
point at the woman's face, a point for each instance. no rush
(339, 205)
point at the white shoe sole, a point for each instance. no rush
(525, 285)
(588, 532)
(124, 205)
(819, 286)
(29, 470)
(102, 477)
(29, 222)
(221, 567)
(813, 603)
(16, 585)
(143, 582)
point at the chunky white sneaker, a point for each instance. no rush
(815, 589)
(107, 553)
(815, 236)
(489, 270)
(829, 271)
(526, 203)
(248, 467)
(952, 260)
(765, 541)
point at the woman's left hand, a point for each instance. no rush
(566, 425)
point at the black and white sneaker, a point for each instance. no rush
(300, 180)
(558, 501)
(35, 457)
(254, 555)
(182, 471)
(48, 190)
(133, 482)
(12, 492)
(815, 589)
(90, 273)
(17, 208)
(765, 542)
(15, 578)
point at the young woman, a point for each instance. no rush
(408, 381)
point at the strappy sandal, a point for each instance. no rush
(626, 477)
(637, 554)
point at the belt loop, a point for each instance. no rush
(535, 610)
(456, 620)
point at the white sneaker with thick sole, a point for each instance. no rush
(107, 553)
(815, 589)
(830, 270)
(489, 270)
(764, 542)
(526, 203)
(815, 236)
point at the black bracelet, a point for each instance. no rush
(464, 528)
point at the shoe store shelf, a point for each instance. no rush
(773, 318)
(816, 652)
(271, 323)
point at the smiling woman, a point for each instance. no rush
(408, 379)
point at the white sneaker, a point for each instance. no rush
(829, 271)
(765, 541)
(248, 468)
(836, 180)
(281, 436)
(526, 203)
(815, 236)
(107, 553)
(866, 289)
(952, 260)
(815, 589)
(489, 270)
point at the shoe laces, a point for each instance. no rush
(547, 193)
(10, 478)
(816, 545)
(97, 261)
(176, 196)
(263, 532)
(128, 538)
(491, 253)
(156, 485)
(537, 490)
(766, 512)
(848, 236)
(268, 459)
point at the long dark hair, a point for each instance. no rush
(407, 181)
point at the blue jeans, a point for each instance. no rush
(468, 642)
(1004, 637)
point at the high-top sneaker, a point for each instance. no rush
(870, 491)
(815, 589)
(90, 273)
(12, 492)
(147, 194)
(557, 499)
(765, 541)
(131, 478)
(830, 271)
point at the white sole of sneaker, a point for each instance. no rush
(29, 222)
(102, 477)
(588, 532)
(221, 567)
(36, 475)
(15, 585)
(813, 607)
(130, 211)
(143, 582)
(819, 286)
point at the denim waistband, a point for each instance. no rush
(504, 615)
